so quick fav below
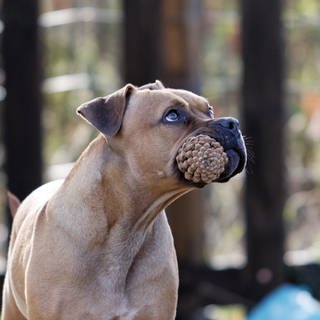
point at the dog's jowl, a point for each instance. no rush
(97, 245)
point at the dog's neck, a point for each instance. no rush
(100, 221)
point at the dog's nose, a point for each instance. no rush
(229, 123)
(225, 130)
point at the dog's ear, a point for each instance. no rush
(14, 203)
(106, 113)
(153, 86)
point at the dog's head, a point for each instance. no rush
(146, 126)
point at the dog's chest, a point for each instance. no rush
(149, 288)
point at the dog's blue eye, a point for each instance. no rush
(172, 116)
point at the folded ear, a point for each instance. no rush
(157, 85)
(106, 113)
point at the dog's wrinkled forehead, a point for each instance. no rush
(192, 98)
(189, 99)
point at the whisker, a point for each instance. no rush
(249, 143)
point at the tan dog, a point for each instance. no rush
(97, 245)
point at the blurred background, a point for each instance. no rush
(255, 60)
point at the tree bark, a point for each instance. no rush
(22, 109)
(182, 29)
(142, 41)
(263, 116)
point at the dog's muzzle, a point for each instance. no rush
(226, 131)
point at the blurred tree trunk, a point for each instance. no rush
(22, 112)
(142, 41)
(162, 40)
(182, 28)
(263, 116)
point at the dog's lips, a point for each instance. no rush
(236, 163)
(233, 161)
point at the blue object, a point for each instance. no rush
(288, 302)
